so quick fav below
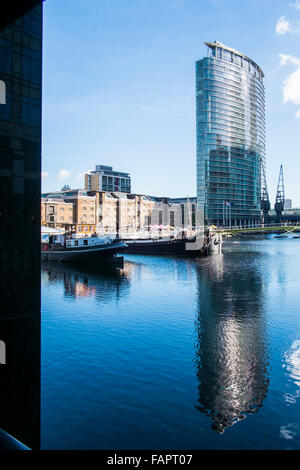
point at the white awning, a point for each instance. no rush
(51, 231)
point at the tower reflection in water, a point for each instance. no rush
(232, 349)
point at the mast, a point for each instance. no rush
(279, 202)
(189, 227)
(265, 205)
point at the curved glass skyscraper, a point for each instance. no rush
(230, 123)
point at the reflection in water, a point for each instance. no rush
(78, 281)
(292, 366)
(118, 350)
(293, 362)
(232, 357)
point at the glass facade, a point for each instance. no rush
(230, 126)
(20, 226)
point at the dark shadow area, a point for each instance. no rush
(20, 172)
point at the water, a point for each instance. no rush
(172, 353)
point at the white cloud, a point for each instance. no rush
(291, 85)
(284, 26)
(287, 59)
(63, 174)
(45, 174)
(291, 88)
(296, 4)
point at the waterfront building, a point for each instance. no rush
(165, 212)
(57, 212)
(230, 127)
(111, 212)
(69, 207)
(86, 209)
(287, 204)
(104, 178)
(129, 213)
(188, 207)
(289, 216)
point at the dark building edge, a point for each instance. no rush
(20, 190)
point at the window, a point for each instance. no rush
(31, 110)
(236, 59)
(245, 64)
(5, 58)
(31, 69)
(227, 55)
(172, 218)
(5, 109)
(32, 26)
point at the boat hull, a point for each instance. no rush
(161, 247)
(93, 254)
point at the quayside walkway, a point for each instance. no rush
(257, 229)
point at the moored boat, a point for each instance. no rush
(88, 249)
(168, 246)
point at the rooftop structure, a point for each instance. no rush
(104, 178)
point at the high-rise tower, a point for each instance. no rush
(230, 125)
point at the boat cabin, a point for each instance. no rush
(89, 241)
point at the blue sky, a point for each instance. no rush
(119, 86)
